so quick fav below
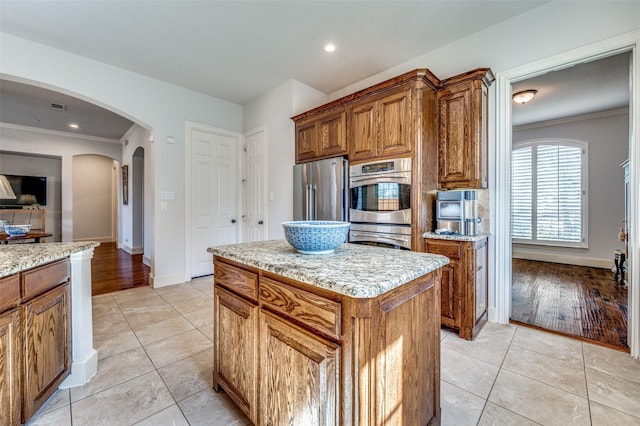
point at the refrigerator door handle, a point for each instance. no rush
(311, 203)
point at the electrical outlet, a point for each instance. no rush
(163, 206)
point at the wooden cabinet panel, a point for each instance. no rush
(235, 353)
(322, 136)
(238, 280)
(395, 124)
(450, 296)
(463, 130)
(38, 280)
(9, 292)
(10, 367)
(299, 375)
(464, 284)
(47, 342)
(306, 308)
(381, 126)
(363, 131)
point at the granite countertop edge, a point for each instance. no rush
(16, 258)
(455, 237)
(351, 270)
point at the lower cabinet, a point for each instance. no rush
(35, 339)
(306, 391)
(299, 355)
(236, 340)
(47, 343)
(464, 290)
(10, 384)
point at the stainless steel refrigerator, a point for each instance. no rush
(320, 190)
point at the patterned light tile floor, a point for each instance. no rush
(155, 363)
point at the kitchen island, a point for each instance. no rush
(349, 338)
(44, 342)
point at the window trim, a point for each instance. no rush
(584, 170)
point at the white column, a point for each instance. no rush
(84, 357)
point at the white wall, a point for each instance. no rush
(274, 110)
(29, 165)
(607, 137)
(138, 137)
(164, 108)
(93, 208)
(34, 143)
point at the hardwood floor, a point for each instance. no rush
(572, 300)
(113, 269)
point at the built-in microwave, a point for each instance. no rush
(380, 192)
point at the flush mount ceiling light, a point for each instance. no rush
(524, 96)
(74, 126)
(329, 47)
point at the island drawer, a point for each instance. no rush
(38, 280)
(9, 292)
(236, 279)
(302, 306)
(453, 250)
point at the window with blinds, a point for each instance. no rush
(548, 193)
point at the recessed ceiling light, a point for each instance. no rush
(74, 126)
(329, 47)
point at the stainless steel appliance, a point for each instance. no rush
(457, 212)
(380, 203)
(320, 190)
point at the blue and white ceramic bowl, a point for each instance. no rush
(16, 230)
(316, 236)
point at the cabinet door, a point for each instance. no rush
(306, 140)
(481, 281)
(450, 294)
(332, 134)
(47, 346)
(235, 356)
(10, 383)
(363, 125)
(298, 375)
(395, 123)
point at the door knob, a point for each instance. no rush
(233, 221)
(260, 222)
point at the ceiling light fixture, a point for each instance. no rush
(74, 126)
(524, 96)
(329, 47)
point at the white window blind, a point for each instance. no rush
(548, 193)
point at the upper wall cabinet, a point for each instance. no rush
(381, 126)
(462, 130)
(321, 136)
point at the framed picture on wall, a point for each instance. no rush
(125, 185)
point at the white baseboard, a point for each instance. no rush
(99, 239)
(147, 261)
(132, 250)
(81, 371)
(564, 259)
(166, 280)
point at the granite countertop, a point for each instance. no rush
(354, 270)
(20, 257)
(455, 237)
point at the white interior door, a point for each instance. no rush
(254, 219)
(214, 189)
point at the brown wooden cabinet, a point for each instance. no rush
(298, 375)
(381, 126)
(325, 358)
(462, 130)
(10, 350)
(236, 332)
(321, 136)
(464, 284)
(46, 329)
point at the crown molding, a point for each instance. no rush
(58, 133)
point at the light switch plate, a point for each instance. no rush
(167, 195)
(171, 139)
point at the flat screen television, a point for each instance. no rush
(29, 190)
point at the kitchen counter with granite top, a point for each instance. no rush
(354, 270)
(455, 237)
(20, 257)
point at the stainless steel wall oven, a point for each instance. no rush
(380, 203)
